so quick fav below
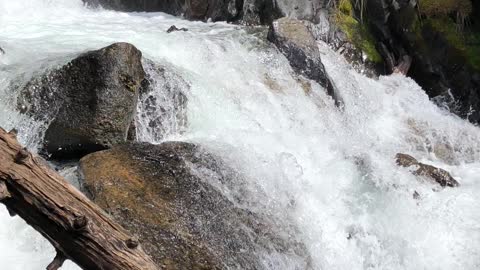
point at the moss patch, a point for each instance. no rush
(357, 33)
(466, 42)
(445, 7)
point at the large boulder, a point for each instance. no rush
(185, 207)
(90, 102)
(294, 39)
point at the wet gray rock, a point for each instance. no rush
(217, 10)
(252, 12)
(181, 202)
(264, 12)
(293, 38)
(90, 102)
(256, 12)
(174, 7)
(174, 28)
(431, 173)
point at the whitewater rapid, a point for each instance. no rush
(329, 171)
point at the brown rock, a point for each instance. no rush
(434, 174)
(182, 221)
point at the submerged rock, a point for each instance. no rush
(433, 174)
(174, 28)
(90, 102)
(175, 196)
(295, 41)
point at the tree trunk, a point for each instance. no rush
(77, 228)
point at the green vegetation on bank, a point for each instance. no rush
(448, 17)
(467, 42)
(461, 8)
(357, 32)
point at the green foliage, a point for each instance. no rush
(357, 33)
(466, 42)
(462, 8)
(345, 7)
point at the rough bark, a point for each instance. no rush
(77, 228)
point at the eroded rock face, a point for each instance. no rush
(164, 194)
(90, 101)
(295, 41)
(435, 175)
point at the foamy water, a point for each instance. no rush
(328, 171)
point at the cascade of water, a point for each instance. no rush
(329, 172)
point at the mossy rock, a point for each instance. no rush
(357, 32)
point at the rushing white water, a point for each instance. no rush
(331, 172)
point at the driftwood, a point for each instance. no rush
(77, 228)
(403, 66)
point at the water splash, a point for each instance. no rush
(329, 172)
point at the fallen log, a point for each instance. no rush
(77, 228)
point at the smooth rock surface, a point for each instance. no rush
(176, 197)
(91, 100)
(293, 38)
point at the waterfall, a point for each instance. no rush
(328, 171)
